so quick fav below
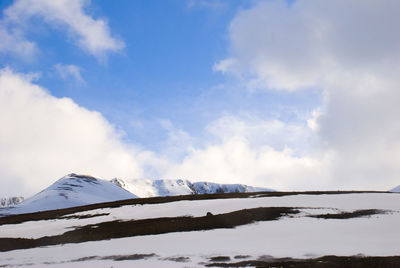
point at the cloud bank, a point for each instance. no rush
(347, 49)
(256, 152)
(44, 138)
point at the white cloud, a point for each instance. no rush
(274, 133)
(178, 141)
(254, 152)
(92, 35)
(16, 44)
(350, 49)
(226, 66)
(69, 71)
(312, 122)
(44, 138)
(209, 4)
(294, 46)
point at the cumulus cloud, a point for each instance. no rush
(44, 138)
(350, 50)
(255, 152)
(293, 46)
(69, 71)
(258, 132)
(92, 35)
(234, 161)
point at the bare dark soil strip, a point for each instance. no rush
(242, 256)
(178, 259)
(322, 262)
(119, 229)
(54, 214)
(349, 215)
(132, 257)
(220, 259)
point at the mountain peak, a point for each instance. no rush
(74, 190)
(119, 182)
(86, 178)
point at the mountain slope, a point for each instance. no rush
(73, 190)
(395, 189)
(151, 188)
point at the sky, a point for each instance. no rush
(289, 95)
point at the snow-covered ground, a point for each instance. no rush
(295, 236)
(312, 204)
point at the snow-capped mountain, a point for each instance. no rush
(77, 190)
(10, 201)
(210, 188)
(395, 189)
(73, 190)
(151, 188)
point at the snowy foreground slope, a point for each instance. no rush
(78, 190)
(227, 230)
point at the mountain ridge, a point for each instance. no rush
(77, 190)
(167, 187)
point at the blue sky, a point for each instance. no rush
(206, 90)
